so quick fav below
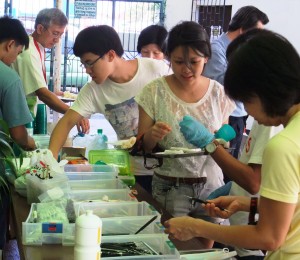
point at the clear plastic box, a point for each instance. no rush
(117, 209)
(61, 233)
(205, 254)
(130, 225)
(91, 171)
(109, 194)
(90, 176)
(159, 244)
(46, 233)
(82, 168)
(36, 186)
(97, 184)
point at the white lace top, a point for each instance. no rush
(161, 104)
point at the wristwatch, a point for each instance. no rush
(212, 147)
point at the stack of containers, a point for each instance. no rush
(88, 228)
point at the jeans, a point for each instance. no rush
(173, 198)
(238, 124)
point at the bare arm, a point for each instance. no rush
(246, 176)
(269, 234)
(61, 131)
(153, 131)
(51, 100)
(20, 136)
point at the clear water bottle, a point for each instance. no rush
(100, 141)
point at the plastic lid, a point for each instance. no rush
(99, 131)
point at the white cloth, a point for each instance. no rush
(116, 102)
(29, 66)
(252, 153)
(161, 104)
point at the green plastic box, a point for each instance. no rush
(116, 157)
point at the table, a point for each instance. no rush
(20, 211)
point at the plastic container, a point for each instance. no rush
(118, 158)
(111, 195)
(36, 186)
(90, 172)
(81, 168)
(96, 184)
(88, 229)
(130, 225)
(38, 234)
(158, 244)
(206, 254)
(90, 176)
(117, 209)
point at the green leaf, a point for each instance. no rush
(6, 150)
(4, 126)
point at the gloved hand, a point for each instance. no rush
(222, 191)
(195, 132)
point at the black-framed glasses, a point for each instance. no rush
(89, 64)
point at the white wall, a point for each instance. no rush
(283, 15)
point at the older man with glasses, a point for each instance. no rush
(49, 26)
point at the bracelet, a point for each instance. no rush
(253, 210)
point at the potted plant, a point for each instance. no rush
(8, 159)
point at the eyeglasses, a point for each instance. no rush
(90, 64)
(55, 35)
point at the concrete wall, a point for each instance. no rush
(283, 15)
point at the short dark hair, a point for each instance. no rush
(247, 18)
(263, 64)
(13, 29)
(156, 34)
(189, 34)
(49, 16)
(99, 40)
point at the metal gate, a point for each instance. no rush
(128, 17)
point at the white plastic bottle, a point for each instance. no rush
(88, 230)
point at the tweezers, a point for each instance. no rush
(193, 199)
(147, 224)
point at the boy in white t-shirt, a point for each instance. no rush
(115, 82)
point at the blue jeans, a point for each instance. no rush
(173, 198)
(238, 124)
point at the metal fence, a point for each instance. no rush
(128, 17)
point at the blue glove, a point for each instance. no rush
(195, 132)
(222, 191)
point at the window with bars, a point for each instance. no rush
(213, 15)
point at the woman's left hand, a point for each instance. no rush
(180, 228)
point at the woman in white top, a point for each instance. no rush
(162, 105)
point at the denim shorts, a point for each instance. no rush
(173, 198)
